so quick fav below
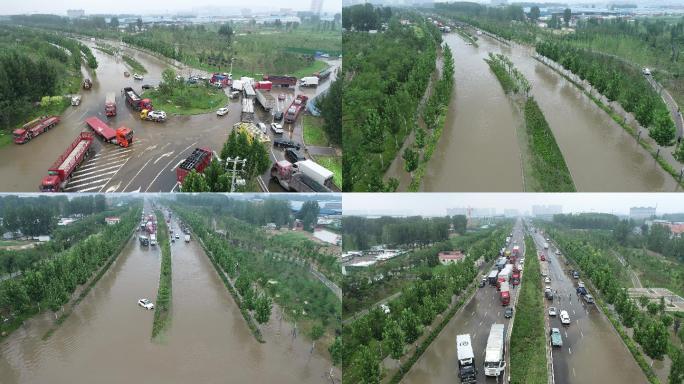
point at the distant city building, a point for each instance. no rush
(639, 213)
(546, 210)
(316, 6)
(497, 3)
(457, 211)
(246, 12)
(450, 257)
(511, 213)
(75, 13)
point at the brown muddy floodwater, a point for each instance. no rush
(107, 338)
(479, 149)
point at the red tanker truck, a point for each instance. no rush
(123, 136)
(283, 81)
(61, 170)
(34, 128)
(295, 108)
(135, 101)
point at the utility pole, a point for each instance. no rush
(233, 180)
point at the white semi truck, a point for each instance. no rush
(466, 359)
(309, 81)
(495, 363)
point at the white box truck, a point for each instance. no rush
(466, 359)
(187, 238)
(317, 172)
(546, 245)
(309, 81)
(494, 363)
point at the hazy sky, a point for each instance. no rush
(431, 204)
(8, 7)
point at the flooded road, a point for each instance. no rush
(592, 350)
(107, 338)
(158, 148)
(439, 363)
(479, 149)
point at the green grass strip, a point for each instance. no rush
(162, 308)
(134, 64)
(528, 340)
(548, 165)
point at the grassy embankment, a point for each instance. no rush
(105, 48)
(544, 166)
(257, 49)
(528, 349)
(189, 100)
(162, 308)
(135, 65)
(314, 135)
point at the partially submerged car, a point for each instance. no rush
(146, 303)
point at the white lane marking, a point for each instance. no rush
(117, 171)
(113, 188)
(136, 175)
(472, 314)
(167, 154)
(177, 164)
(573, 372)
(88, 189)
(566, 334)
(78, 180)
(82, 115)
(485, 315)
(174, 187)
(480, 323)
(167, 164)
(107, 152)
(80, 173)
(570, 350)
(581, 334)
(111, 156)
(75, 187)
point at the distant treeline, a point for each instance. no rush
(361, 233)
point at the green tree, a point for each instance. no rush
(308, 214)
(567, 16)
(410, 324)
(663, 131)
(336, 351)
(393, 338)
(317, 331)
(534, 13)
(368, 366)
(411, 160)
(677, 368)
(195, 182)
(114, 22)
(263, 308)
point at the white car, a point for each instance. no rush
(222, 111)
(157, 115)
(262, 127)
(646, 72)
(547, 280)
(137, 76)
(564, 317)
(146, 303)
(177, 236)
(552, 311)
(557, 251)
(277, 128)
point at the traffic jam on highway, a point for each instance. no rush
(102, 152)
(482, 356)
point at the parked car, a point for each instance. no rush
(508, 313)
(282, 143)
(483, 282)
(161, 115)
(552, 311)
(146, 86)
(646, 72)
(564, 317)
(222, 111)
(293, 156)
(281, 97)
(137, 76)
(547, 280)
(177, 236)
(127, 74)
(589, 299)
(276, 128)
(262, 127)
(146, 303)
(278, 116)
(556, 338)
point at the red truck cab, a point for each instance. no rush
(542, 257)
(34, 128)
(64, 166)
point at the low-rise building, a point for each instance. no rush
(112, 220)
(450, 257)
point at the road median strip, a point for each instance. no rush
(162, 310)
